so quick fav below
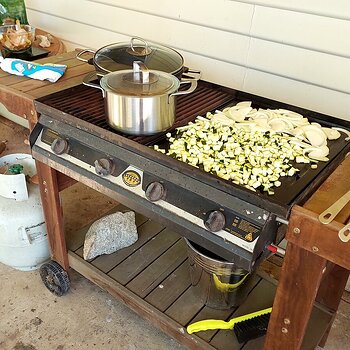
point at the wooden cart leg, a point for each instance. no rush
(53, 213)
(331, 291)
(296, 292)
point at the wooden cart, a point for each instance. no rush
(315, 268)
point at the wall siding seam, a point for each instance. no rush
(128, 35)
(249, 47)
(299, 80)
(239, 64)
(168, 17)
(298, 10)
(200, 25)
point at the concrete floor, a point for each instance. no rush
(31, 318)
(87, 317)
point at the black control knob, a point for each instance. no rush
(104, 166)
(155, 191)
(59, 146)
(215, 221)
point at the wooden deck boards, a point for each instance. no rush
(152, 277)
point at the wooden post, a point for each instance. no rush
(331, 291)
(300, 278)
(53, 213)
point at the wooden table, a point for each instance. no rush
(316, 263)
(316, 266)
(17, 93)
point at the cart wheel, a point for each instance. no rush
(55, 278)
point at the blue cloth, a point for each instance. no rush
(49, 71)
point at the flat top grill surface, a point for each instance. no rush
(87, 104)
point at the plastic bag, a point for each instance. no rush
(10, 10)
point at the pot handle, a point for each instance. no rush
(193, 87)
(191, 73)
(142, 51)
(79, 54)
(86, 81)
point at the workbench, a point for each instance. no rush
(316, 265)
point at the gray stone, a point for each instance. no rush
(109, 234)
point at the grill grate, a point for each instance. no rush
(84, 104)
(87, 104)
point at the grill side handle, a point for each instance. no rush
(267, 236)
(35, 133)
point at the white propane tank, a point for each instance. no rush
(23, 236)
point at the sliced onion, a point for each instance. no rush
(347, 132)
(234, 114)
(223, 119)
(331, 133)
(278, 124)
(244, 104)
(317, 153)
(299, 143)
(315, 135)
(290, 114)
(258, 115)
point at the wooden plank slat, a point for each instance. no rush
(175, 284)
(318, 238)
(147, 311)
(17, 102)
(146, 230)
(208, 312)
(335, 186)
(319, 321)
(275, 259)
(74, 80)
(38, 88)
(185, 307)
(50, 59)
(21, 82)
(149, 252)
(260, 298)
(64, 181)
(270, 269)
(216, 314)
(76, 242)
(155, 273)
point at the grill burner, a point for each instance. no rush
(232, 222)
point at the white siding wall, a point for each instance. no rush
(298, 53)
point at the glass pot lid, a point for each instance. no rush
(140, 81)
(122, 55)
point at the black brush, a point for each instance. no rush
(251, 328)
(246, 327)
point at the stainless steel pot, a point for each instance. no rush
(140, 101)
(120, 56)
